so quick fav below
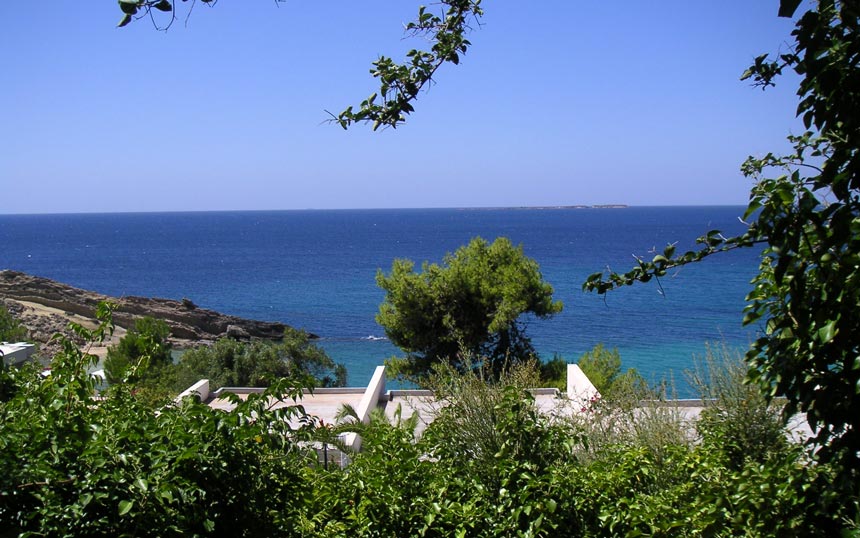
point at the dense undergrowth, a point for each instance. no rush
(76, 463)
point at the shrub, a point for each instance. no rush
(738, 421)
(603, 367)
(229, 363)
(553, 373)
(11, 329)
(73, 462)
(143, 348)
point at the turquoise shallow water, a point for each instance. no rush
(315, 269)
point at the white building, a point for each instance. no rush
(16, 353)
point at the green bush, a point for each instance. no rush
(738, 421)
(553, 373)
(76, 463)
(603, 368)
(229, 363)
(73, 462)
(11, 329)
(467, 424)
(143, 349)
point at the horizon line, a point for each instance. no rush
(555, 207)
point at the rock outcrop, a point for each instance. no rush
(187, 321)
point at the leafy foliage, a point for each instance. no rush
(11, 329)
(398, 486)
(553, 373)
(467, 425)
(738, 422)
(603, 368)
(144, 349)
(472, 302)
(400, 84)
(132, 9)
(805, 209)
(539, 479)
(229, 363)
(143, 359)
(73, 462)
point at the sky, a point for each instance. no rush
(556, 103)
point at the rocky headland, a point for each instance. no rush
(46, 307)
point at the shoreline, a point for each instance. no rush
(46, 307)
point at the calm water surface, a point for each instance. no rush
(316, 269)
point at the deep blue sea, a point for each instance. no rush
(316, 270)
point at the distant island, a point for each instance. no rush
(552, 207)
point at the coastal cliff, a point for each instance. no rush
(45, 306)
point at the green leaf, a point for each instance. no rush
(164, 5)
(788, 7)
(125, 507)
(166, 495)
(752, 208)
(124, 20)
(129, 7)
(826, 333)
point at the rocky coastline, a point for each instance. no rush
(45, 307)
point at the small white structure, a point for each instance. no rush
(16, 353)
(372, 396)
(580, 389)
(199, 389)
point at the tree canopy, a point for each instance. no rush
(470, 304)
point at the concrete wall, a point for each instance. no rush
(370, 401)
(201, 389)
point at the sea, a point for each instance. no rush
(316, 269)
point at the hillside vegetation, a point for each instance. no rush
(77, 463)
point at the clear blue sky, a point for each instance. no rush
(558, 102)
